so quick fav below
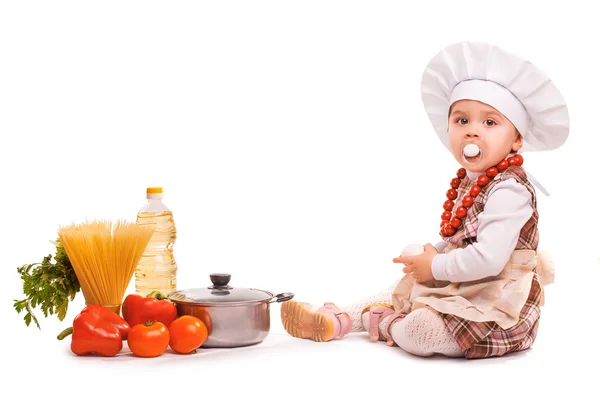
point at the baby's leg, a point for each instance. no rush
(424, 333)
(328, 322)
(359, 320)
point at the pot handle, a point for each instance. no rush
(281, 297)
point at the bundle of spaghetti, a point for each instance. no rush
(104, 256)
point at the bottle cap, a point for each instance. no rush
(154, 193)
(154, 190)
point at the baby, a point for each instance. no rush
(478, 292)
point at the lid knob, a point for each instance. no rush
(220, 281)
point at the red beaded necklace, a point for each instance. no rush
(451, 222)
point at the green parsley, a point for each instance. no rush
(49, 285)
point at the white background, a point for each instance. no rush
(295, 153)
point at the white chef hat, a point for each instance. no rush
(515, 87)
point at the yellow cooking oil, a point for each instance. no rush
(157, 269)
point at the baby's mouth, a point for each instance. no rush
(472, 154)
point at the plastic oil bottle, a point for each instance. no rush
(157, 269)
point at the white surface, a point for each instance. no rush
(282, 135)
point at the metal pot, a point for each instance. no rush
(234, 316)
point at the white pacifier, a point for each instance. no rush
(471, 150)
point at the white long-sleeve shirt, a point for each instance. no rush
(509, 206)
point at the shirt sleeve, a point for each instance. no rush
(440, 246)
(508, 207)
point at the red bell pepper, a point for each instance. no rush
(154, 307)
(107, 315)
(93, 335)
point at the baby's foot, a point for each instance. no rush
(305, 321)
(376, 319)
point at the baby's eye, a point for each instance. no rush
(489, 122)
(462, 121)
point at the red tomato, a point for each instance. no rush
(187, 334)
(148, 340)
(138, 309)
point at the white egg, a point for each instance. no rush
(413, 250)
(471, 150)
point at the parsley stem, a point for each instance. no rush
(30, 311)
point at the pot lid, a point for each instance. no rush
(220, 292)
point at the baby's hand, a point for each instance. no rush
(419, 265)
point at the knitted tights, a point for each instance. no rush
(422, 332)
(355, 309)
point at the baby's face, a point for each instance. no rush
(478, 123)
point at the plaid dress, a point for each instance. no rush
(487, 339)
